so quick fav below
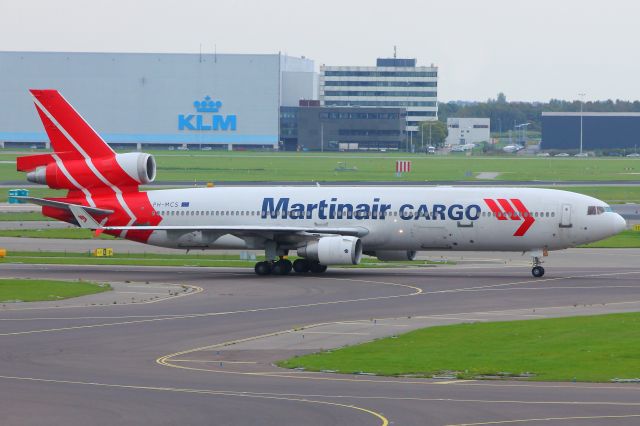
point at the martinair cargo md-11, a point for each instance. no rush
(323, 225)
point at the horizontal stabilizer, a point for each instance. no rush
(30, 162)
(62, 205)
(83, 218)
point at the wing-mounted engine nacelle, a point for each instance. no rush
(394, 255)
(138, 168)
(338, 250)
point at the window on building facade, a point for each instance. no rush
(343, 73)
(380, 93)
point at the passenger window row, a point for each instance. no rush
(518, 214)
(591, 211)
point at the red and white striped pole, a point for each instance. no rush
(402, 166)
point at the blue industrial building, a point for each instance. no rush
(157, 99)
(600, 130)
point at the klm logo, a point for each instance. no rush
(208, 118)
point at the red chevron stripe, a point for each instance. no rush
(526, 215)
(508, 209)
(495, 209)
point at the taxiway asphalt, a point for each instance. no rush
(206, 357)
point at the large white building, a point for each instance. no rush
(463, 131)
(392, 83)
(157, 99)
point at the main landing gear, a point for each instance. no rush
(284, 267)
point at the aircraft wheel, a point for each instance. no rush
(282, 267)
(317, 268)
(263, 268)
(301, 266)
(537, 271)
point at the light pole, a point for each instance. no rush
(581, 104)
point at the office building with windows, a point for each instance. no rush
(316, 128)
(157, 99)
(393, 82)
(463, 131)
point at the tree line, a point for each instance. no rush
(504, 115)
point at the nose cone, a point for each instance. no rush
(619, 224)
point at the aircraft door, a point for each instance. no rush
(465, 234)
(565, 216)
(430, 237)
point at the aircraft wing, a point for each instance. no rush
(237, 230)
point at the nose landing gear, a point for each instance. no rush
(537, 270)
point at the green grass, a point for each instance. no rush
(262, 166)
(625, 239)
(608, 194)
(27, 290)
(591, 348)
(23, 217)
(66, 233)
(310, 167)
(39, 192)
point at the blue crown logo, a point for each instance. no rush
(207, 105)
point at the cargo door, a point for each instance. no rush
(431, 237)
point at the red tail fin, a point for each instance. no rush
(85, 165)
(67, 130)
(81, 159)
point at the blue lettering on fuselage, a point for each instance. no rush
(282, 208)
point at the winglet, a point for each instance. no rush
(84, 219)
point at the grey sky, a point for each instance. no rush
(533, 50)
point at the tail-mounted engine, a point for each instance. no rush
(120, 170)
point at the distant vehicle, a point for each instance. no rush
(463, 148)
(562, 154)
(635, 154)
(171, 148)
(183, 148)
(543, 154)
(431, 150)
(581, 154)
(512, 148)
(33, 147)
(206, 148)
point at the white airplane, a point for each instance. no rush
(513, 148)
(323, 225)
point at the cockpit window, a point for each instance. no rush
(596, 210)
